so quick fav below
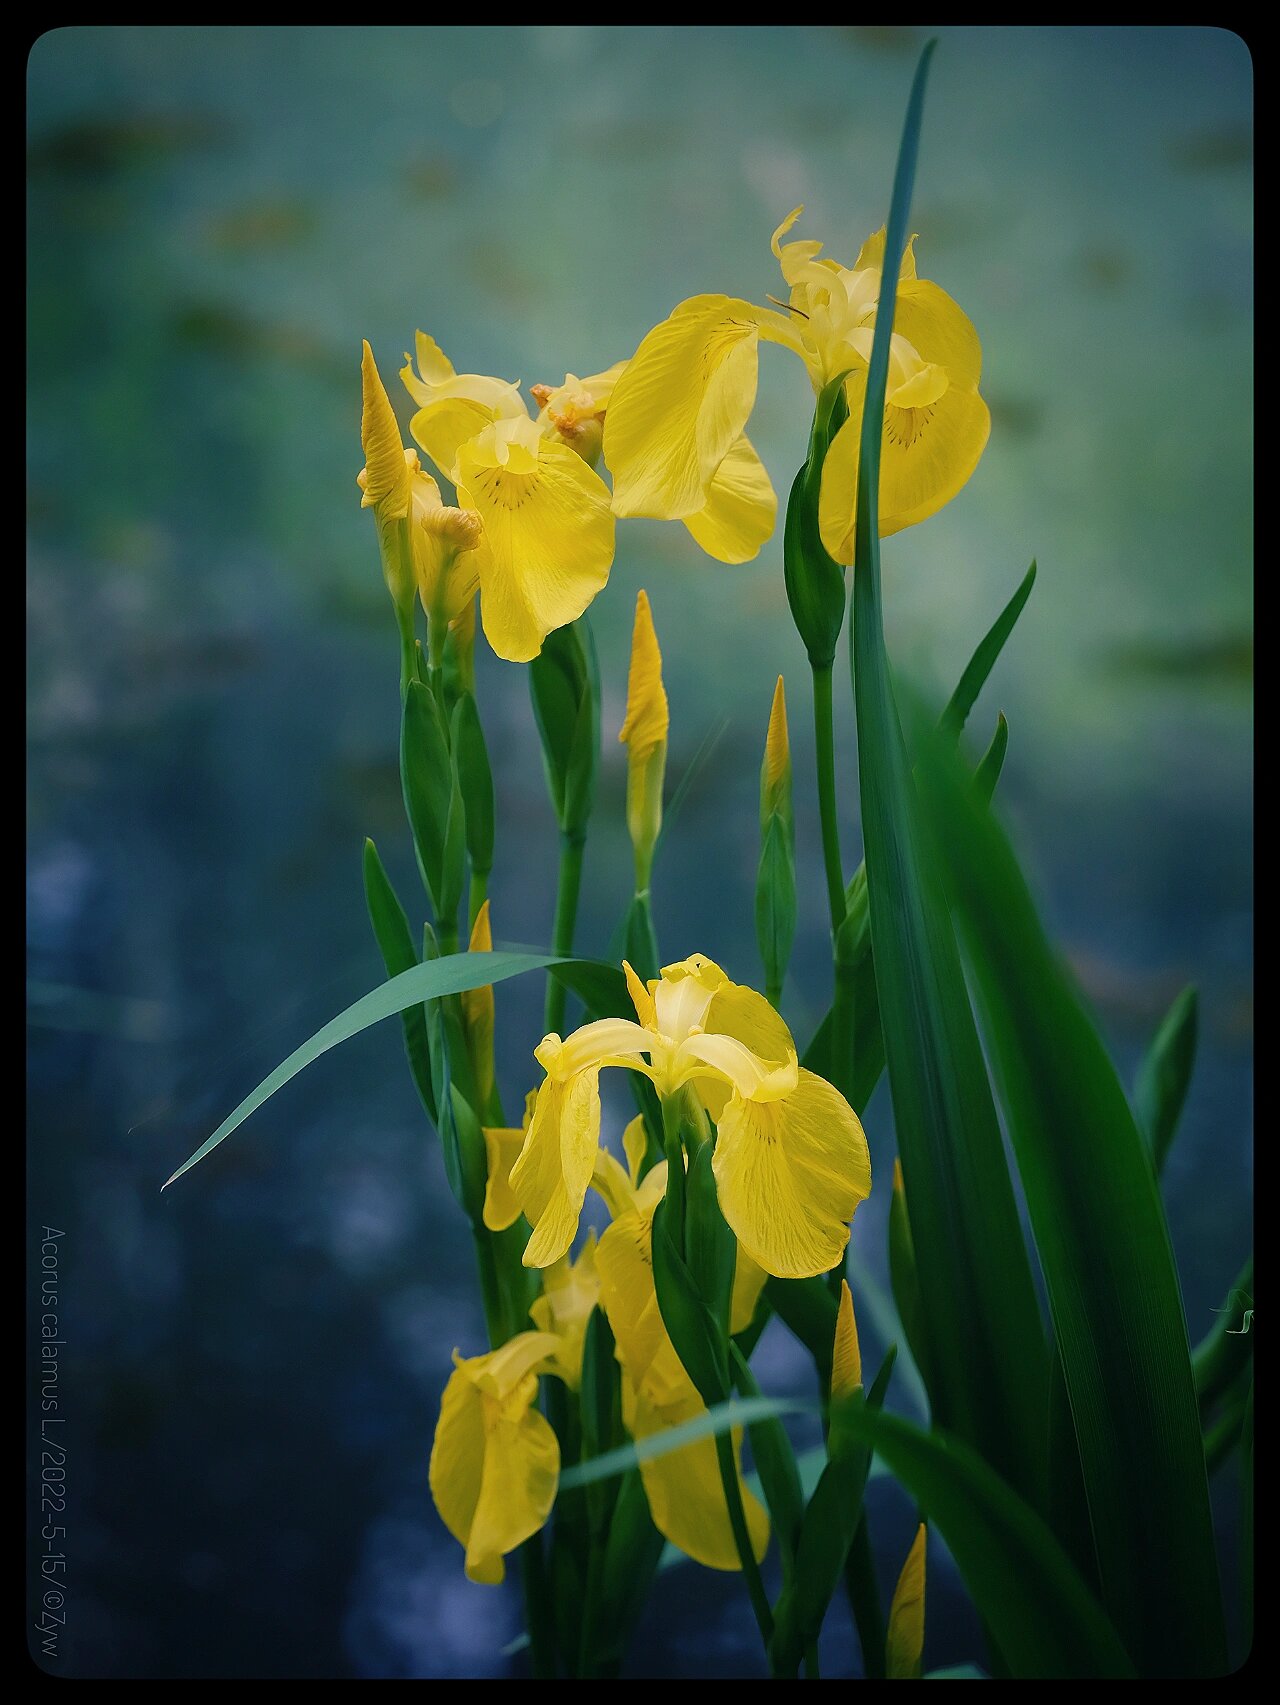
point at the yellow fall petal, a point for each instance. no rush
(927, 456)
(686, 1497)
(550, 1178)
(386, 477)
(748, 1281)
(789, 1175)
(624, 1261)
(846, 1355)
(740, 510)
(549, 533)
(682, 404)
(904, 1641)
(495, 1461)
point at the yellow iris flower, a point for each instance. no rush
(684, 1489)
(791, 1162)
(674, 433)
(546, 527)
(495, 1462)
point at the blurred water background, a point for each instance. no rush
(217, 216)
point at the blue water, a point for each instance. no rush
(216, 218)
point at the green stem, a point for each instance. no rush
(408, 648)
(495, 1314)
(864, 1600)
(447, 935)
(825, 758)
(811, 1670)
(566, 920)
(537, 1608)
(741, 1537)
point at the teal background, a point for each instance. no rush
(217, 216)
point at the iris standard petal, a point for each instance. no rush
(549, 533)
(740, 510)
(443, 427)
(789, 1175)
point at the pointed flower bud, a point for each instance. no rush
(478, 1013)
(904, 1642)
(775, 771)
(846, 1356)
(644, 733)
(385, 480)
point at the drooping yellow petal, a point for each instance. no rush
(740, 510)
(683, 402)
(624, 1261)
(549, 532)
(789, 1175)
(647, 719)
(748, 1281)
(570, 1290)
(846, 1355)
(386, 477)
(739, 1012)
(495, 1461)
(478, 1013)
(686, 1497)
(550, 1178)
(904, 1641)
(927, 456)
(502, 1150)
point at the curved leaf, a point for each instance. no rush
(1046, 1623)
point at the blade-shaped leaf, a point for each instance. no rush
(1046, 1623)
(447, 976)
(983, 660)
(737, 1412)
(1165, 1075)
(1104, 1249)
(986, 1347)
(396, 944)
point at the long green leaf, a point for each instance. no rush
(986, 1349)
(1104, 1248)
(737, 1412)
(448, 976)
(1046, 1623)
(1165, 1075)
(399, 953)
(983, 660)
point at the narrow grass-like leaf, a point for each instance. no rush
(1104, 1248)
(447, 976)
(986, 1347)
(827, 1530)
(991, 763)
(1046, 1623)
(983, 660)
(737, 1412)
(776, 1465)
(1165, 1075)
(399, 953)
